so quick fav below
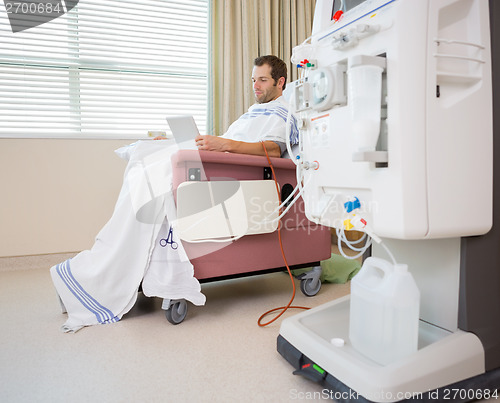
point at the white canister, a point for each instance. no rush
(384, 313)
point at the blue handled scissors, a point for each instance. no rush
(169, 240)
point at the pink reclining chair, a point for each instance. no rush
(305, 243)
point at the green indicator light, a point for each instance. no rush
(320, 370)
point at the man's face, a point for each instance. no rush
(264, 87)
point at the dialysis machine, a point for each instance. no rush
(396, 123)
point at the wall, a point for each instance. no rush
(56, 194)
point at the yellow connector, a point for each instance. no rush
(347, 225)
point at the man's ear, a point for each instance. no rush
(281, 82)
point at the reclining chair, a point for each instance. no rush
(305, 243)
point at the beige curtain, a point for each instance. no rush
(240, 31)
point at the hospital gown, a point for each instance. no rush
(264, 122)
(138, 244)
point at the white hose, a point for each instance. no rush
(341, 237)
(288, 129)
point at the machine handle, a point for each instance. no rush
(455, 42)
(450, 56)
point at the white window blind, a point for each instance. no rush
(105, 69)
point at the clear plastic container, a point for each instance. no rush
(384, 311)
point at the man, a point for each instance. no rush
(265, 121)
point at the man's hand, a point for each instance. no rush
(212, 143)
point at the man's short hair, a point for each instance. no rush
(278, 67)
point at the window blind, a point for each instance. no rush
(105, 69)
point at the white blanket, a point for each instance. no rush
(137, 244)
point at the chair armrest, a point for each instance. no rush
(183, 156)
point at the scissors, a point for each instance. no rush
(169, 240)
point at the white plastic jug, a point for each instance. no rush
(384, 313)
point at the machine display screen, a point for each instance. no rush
(346, 6)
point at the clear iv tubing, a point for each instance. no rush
(283, 205)
(388, 252)
(307, 43)
(299, 186)
(288, 128)
(341, 237)
(280, 216)
(300, 176)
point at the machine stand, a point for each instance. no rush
(447, 365)
(472, 389)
